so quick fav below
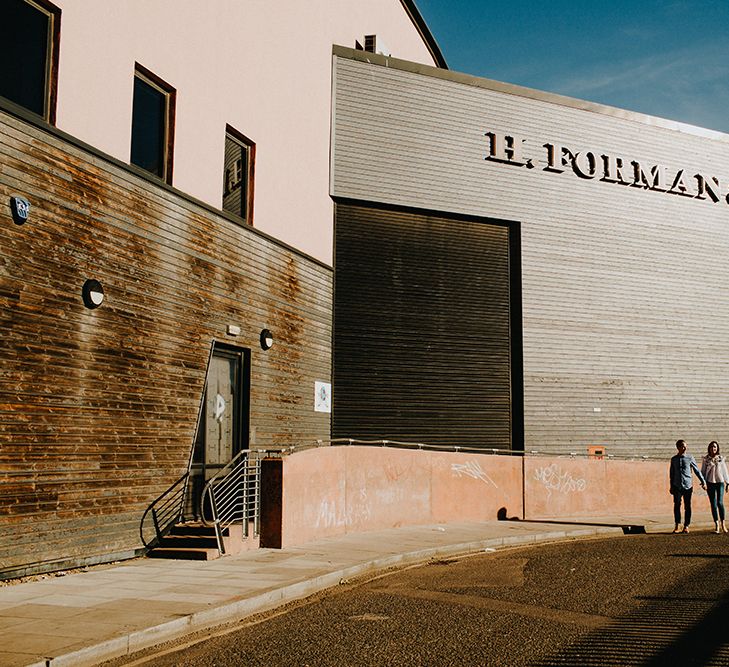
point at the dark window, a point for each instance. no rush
(238, 175)
(152, 124)
(29, 54)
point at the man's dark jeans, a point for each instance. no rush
(678, 494)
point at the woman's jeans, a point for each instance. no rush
(685, 495)
(716, 498)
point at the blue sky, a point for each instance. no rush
(667, 59)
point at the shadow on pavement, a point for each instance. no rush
(628, 529)
(699, 555)
(685, 626)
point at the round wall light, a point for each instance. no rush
(92, 293)
(266, 339)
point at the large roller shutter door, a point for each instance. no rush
(422, 319)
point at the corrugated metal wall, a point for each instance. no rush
(98, 407)
(421, 328)
(625, 300)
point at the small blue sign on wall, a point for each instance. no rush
(20, 207)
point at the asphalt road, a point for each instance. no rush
(635, 600)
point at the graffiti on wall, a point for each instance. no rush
(338, 515)
(396, 471)
(556, 479)
(472, 469)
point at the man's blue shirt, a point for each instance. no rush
(681, 467)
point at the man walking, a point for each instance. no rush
(682, 485)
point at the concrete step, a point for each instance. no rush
(190, 541)
(194, 528)
(184, 553)
(194, 540)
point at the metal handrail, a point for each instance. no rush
(290, 449)
(228, 495)
(166, 510)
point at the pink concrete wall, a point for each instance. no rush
(569, 487)
(474, 487)
(314, 495)
(336, 490)
(263, 67)
(386, 488)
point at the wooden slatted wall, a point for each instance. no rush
(98, 407)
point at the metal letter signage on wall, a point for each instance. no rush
(510, 149)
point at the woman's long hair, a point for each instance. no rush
(708, 449)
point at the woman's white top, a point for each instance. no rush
(714, 469)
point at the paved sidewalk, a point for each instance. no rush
(86, 618)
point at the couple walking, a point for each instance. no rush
(713, 473)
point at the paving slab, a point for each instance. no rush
(84, 618)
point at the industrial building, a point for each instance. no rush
(245, 226)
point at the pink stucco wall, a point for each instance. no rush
(336, 490)
(474, 487)
(263, 67)
(584, 487)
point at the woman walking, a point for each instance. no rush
(716, 474)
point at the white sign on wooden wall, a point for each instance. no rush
(322, 396)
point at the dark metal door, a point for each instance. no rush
(223, 427)
(427, 328)
(221, 408)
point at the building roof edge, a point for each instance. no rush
(422, 27)
(530, 93)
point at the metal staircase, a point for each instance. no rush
(194, 541)
(229, 506)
